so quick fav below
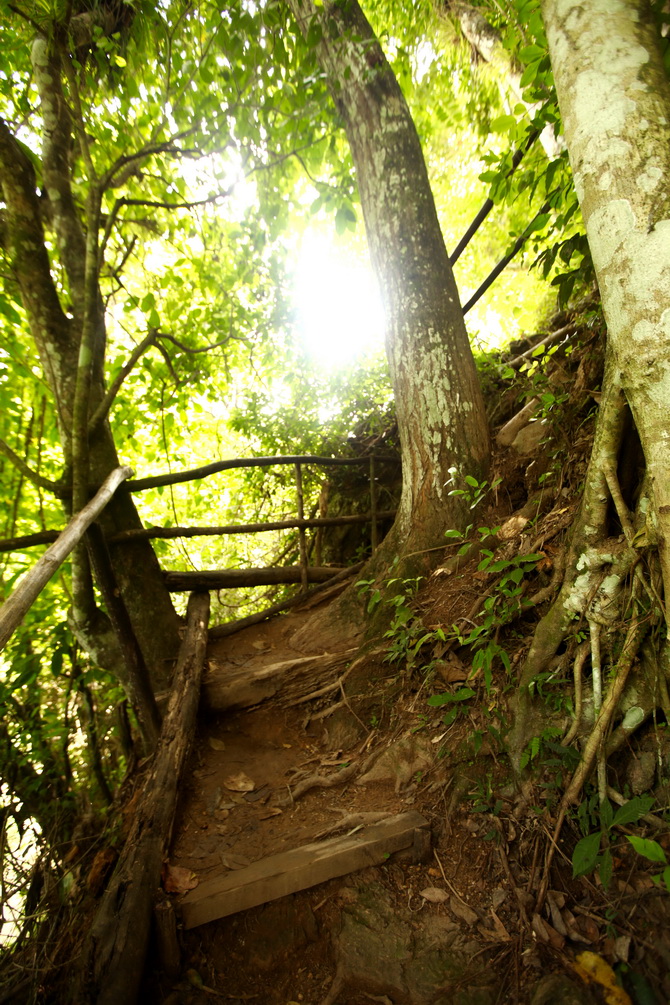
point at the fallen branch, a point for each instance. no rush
(113, 958)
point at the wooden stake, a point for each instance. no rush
(301, 530)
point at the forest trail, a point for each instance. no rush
(450, 929)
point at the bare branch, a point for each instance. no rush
(103, 408)
(205, 348)
(27, 472)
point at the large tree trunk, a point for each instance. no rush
(615, 103)
(614, 97)
(441, 418)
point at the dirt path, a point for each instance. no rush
(456, 928)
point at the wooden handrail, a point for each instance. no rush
(155, 481)
(168, 533)
(19, 602)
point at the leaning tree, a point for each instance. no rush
(100, 109)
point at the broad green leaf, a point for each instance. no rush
(631, 811)
(585, 855)
(647, 848)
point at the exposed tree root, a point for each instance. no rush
(319, 782)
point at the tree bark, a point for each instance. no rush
(113, 957)
(615, 103)
(441, 418)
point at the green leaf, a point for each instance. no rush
(631, 811)
(605, 868)
(647, 848)
(437, 700)
(585, 855)
(606, 814)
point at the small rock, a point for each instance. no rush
(528, 439)
(401, 762)
(641, 771)
(559, 990)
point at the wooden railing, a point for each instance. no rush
(16, 606)
(21, 600)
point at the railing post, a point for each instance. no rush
(301, 530)
(374, 533)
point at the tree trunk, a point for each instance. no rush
(486, 41)
(615, 104)
(71, 347)
(614, 97)
(441, 418)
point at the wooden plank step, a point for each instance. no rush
(300, 868)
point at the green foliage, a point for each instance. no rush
(473, 491)
(652, 851)
(217, 153)
(593, 852)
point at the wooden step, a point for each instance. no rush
(300, 868)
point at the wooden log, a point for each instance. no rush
(300, 868)
(139, 484)
(222, 579)
(167, 943)
(113, 957)
(287, 680)
(314, 596)
(170, 533)
(17, 605)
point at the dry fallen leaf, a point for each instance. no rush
(239, 783)
(547, 933)
(434, 895)
(499, 928)
(216, 744)
(177, 879)
(592, 967)
(462, 911)
(274, 811)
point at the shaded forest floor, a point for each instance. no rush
(459, 927)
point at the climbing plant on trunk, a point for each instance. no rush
(615, 103)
